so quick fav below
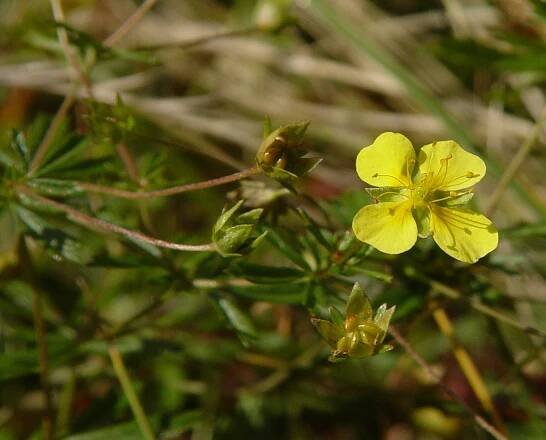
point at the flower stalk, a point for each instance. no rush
(96, 223)
(467, 365)
(179, 189)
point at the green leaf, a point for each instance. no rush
(262, 274)
(287, 248)
(373, 273)
(121, 431)
(19, 145)
(63, 153)
(55, 240)
(273, 293)
(526, 231)
(14, 364)
(239, 320)
(55, 187)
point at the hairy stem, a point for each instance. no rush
(130, 393)
(95, 223)
(91, 187)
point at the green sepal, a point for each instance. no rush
(422, 218)
(233, 238)
(280, 155)
(225, 216)
(336, 316)
(234, 234)
(329, 331)
(459, 200)
(358, 305)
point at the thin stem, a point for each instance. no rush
(130, 23)
(130, 393)
(128, 161)
(95, 223)
(91, 187)
(188, 44)
(477, 305)
(480, 421)
(69, 52)
(37, 309)
(467, 365)
(65, 404)
(514, 165)
(69, 99)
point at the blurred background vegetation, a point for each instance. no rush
(106, 335)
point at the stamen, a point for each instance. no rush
(452, 195)
(444, 163)
(404, 184)
(391, 192)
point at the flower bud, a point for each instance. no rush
(281, 154)
(234, 234)
(271, 15)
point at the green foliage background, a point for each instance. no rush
(223, 347)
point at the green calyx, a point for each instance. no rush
(281, 154)
(234, 235)
(359, 333)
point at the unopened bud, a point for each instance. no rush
(234, 234)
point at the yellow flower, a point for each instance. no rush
(422, 199)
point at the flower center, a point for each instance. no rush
(426, 190)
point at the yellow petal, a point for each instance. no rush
(388, 226)
(463, 234)
(389, 161)
(445, 166)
